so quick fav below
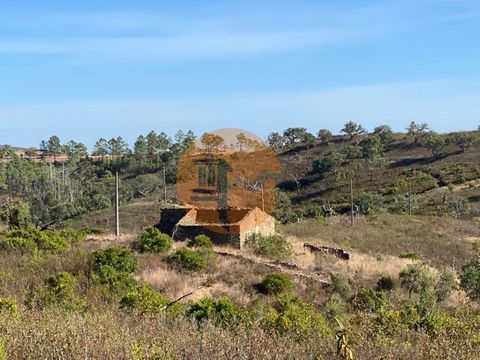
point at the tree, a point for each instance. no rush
(369, 202)
(242, 141)
(75, 150)
(328, 163)
(101, 148)
(212, 142)
(352, 129)
(296, 136)
(163, 142)
(182, 142)
(54, 146)
(140, 148)
(117, 147)
(464, 140)
(385, 133)
(417, 131)
(275, 141)
(325, 136)
(372, 148)
(435, 143)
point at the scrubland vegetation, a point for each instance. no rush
(410, 289)
(84, 299)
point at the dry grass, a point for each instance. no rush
(438, 241)
(134, 217)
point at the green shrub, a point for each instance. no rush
(200, 241)
(389, 323)
(341, 286)
(189, 260)
(35, 240)
(369, 203)
(385, 283)
(470, 278)
(457, 207)
(60, 290)
(274, 247)
(286, 215)
(19, 243)
(153, 240)
(111, 269)
(144, 300)
(74, 236)
(221, 311)
(116, 257)
(426, 301)
(335, 308)
(437, 322)
(276, 283)
(112, 281)
(416, 279)
(370, 300)
(291, 315)
(8, 306)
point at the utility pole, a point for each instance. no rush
(352, 214)
(409, 198)
(164, 185)
(117, 203)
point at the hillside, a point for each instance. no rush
(404, 166)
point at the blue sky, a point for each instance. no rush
(89, 69)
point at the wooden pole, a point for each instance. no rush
(352, 214)
(117, 206)
(409, 198)
(165, 185)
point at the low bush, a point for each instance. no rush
(470, 278)
(341, 286)
(116, 257)
(144, 300)
(437, 322)
(60, 290)
(153, 240)
(200, 241)
(34, 240)
(8, 306)
(291, 315)
(335, 308)
(275, 247)
(221, 311)
(370, 300)
(416, 278)
(369, 203)
(111, 269)
(189, 260)
(74, 236)
(276, 283)
(385, 283)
